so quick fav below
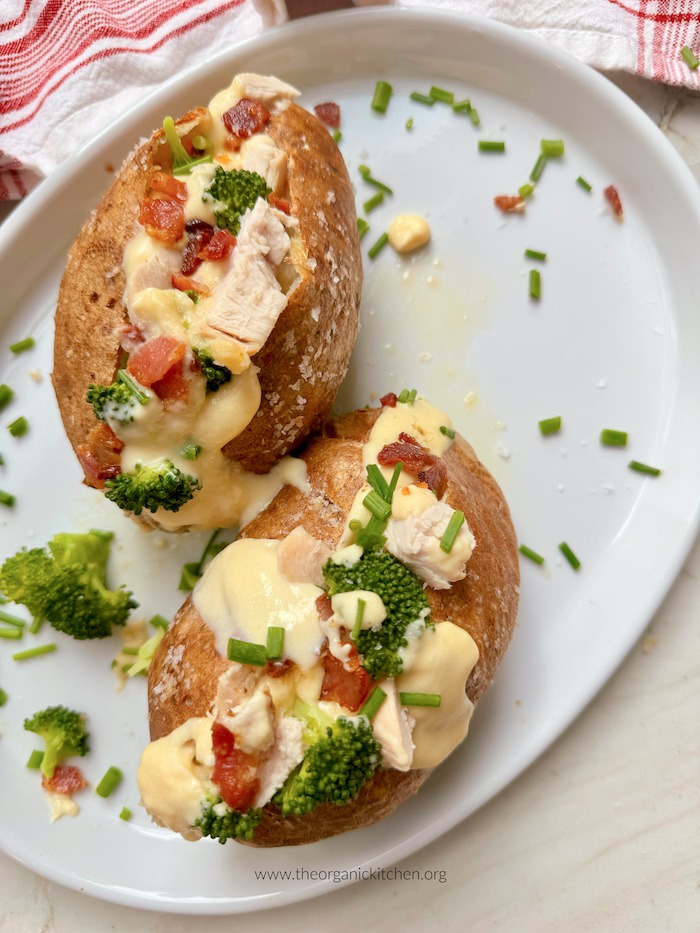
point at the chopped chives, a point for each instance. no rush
(644, 468)
(6, 498)
(362, 226)
(550, 425)
(189, 576)
(422, 98)
(22, 345)
(526, 190)
(357, 627)
(11, 620)
(535, 284)
(583, 183)
(125, 814)
(35, 759)
(378, 184)
(370, 707)
(538, 168)
(569, 555)
(611, 438)
(246, 652)
(375, 478)
(448, 432)
(133, 387)
(34, 652)
(450, 535)
(406, 698)
(35, 627)
(378, 246)
(200, 142)
(373, 202)
(474, 116)
(109, 782)
(3, 697)
(689, 57)
(409, 123)
(18, 427)
(552, 148)
(530, 554)
(462, 106)
(159, 621)
(129, 651)
(382, 96)
(377, 506)
(354, 524)
(2, 461)
(336, 136)
(15, 633)
(491, 145)
(6, 394)
(275, 642)
(364, 170)
(394, 480)
(535, 254)
(439, 93)
(407, 396)
(191, 451)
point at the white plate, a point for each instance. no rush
(611, 344)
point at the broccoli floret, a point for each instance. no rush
(215, 374)
(342, 757)
(238, 190)
(114, 402)
(404, 600)
(152, 486)
(220, 822)
(64, 732)
(67, 584)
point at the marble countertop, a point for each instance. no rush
(601, 833)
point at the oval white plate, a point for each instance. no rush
(610, 344)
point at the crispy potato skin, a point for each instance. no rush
(484, 603)
(309, 351)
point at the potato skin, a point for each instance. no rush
(484, 603)
(310, 346)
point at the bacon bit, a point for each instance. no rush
(100, 456)
(329, 113)
(282, 204)
(174, 386)
(278, 668)
(235, 772)
(435, 478)
(169, 186)
(613, 199)
(416, 460)
(324, 606)
(66, 779)
(219, 246)
(349, 688)
(152, 360)
(405, 491)
(245, 118)
(185, 284)
(163, 218)
(131, 337)
(233, 144)
(510, 203)
(389, 400)
(198, 235)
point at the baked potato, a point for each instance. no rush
(392, 583)
(208, 309)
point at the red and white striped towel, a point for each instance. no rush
(70, 67)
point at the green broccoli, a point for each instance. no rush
(67, 585)
(215, 374)
(342, 756)
(64, 732)
(156, 485)
(182, 162)
(220, 822)
(116, 401)
(404, 600)
(238, 190)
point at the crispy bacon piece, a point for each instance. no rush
(174, 386)
(278, 668)
(389, 400)
(282, 204)
(169, 186)
(198, 235)
(349, 688)
(435, 477)
(100, 456)
(235, 772)
(328, 113)
(185, 284)
(218, 247)
(151, 361)
(510, 203)
(245, 118)
(67, 779)
(613, 199)
(163, 218)
(324, 607)
(416, 460)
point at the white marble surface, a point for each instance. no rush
(602, 833)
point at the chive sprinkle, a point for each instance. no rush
(35, 759)
(611, 438)
(109, 782)
(336, 136)
(407, 698)
(422, 98)
(491, 145)
(354, 524)
(2, 461)
(246, 652)
(12, 620)
(3, 697)
(535, 254)
(382, 96)
(530, 554)
(15, 633)
(36, 625)
(526, 190)
(22, 345)
(371, 705)
(378, 184)
(125, 814)
(373, 202)
(130, 651)
(450, 535)
(474, 116)
(159, 621)
(18, 427)
(378, 246)
(34, 652)
(362, 226)
(583, 183)
(191, 451)
(569, 555)
(407, 396)
(689, 57)
(439, 93)
(394, 480)
(200, 142)
(535, 284)
(275, 642)
(550, 425)
(6, 395)
(377, 506)
(409, 123)
(448, 432)
(375, 478)
(552, 148)
(357, 627)
(462, 106)
(538, 168)
(644, 468)
(6, 498)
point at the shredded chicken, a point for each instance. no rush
(283, 756)
(261, 154)
(301, 557)
(266, 88)
(392, 728)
